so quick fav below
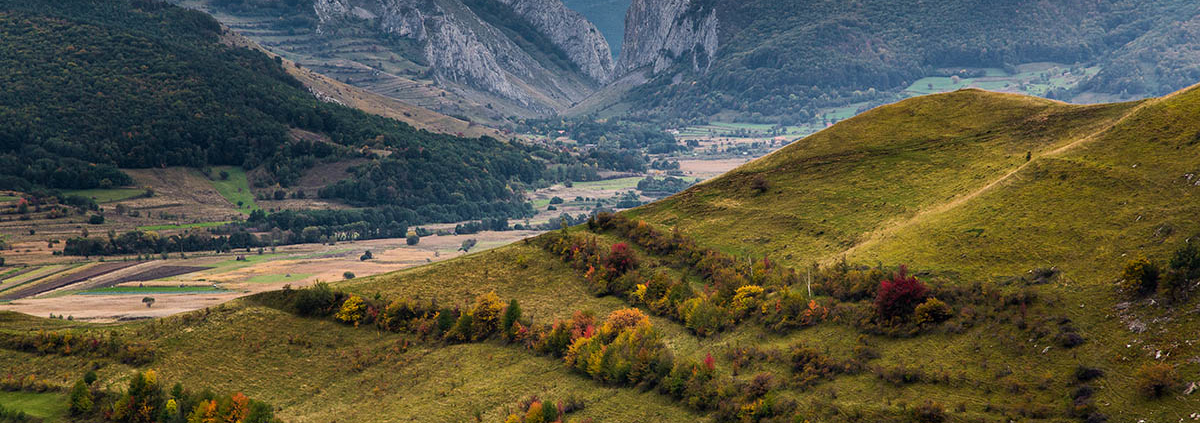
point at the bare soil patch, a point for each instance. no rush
(710, 168)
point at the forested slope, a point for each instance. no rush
(91, 86)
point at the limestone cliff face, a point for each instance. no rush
(571, 32)
(660, 33)
(462, 48)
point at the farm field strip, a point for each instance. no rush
(183, 226)
(35, 276)
(108, 195)
(15, 272)
(67, 279)
(158, 273)
(147, 290)
(611, 184)
(277, 278)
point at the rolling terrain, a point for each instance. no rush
(1018, 212)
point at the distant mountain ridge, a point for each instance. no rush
(788, 58)
(516, 57)
(760, 60)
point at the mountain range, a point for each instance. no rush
(694, 59)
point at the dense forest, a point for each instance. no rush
(783, 60)
(92, 86)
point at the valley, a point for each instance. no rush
(1020, 366)
(535, 211)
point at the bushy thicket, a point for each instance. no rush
(739, 289)
(736, 289)
(623, 349)
(479, 321)
(898, 297)
(74, 343)
(1173, 281)
(146, 400)
(536, 410)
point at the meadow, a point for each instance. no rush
(235, 188)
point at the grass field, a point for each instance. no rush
(107, 195)
(235, 189)
(51, 407)
(1037, 80)
(182, 226)
(610, 184)
(826, 194)
(728, 129)
(7, 198)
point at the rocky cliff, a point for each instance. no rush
(468, 49)
(660, 33)
(571, 32)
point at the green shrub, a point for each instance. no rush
(929, 412)
(932, 311)
(81, 399)
(1156, 380)
(1139, 278)
(1175, 286)
(759, 184)
(485, 316)
(512, 314)
(462, 329)
(412, 239)
(704, 316)
(317, 300)
(809, 365)
(1184, 270)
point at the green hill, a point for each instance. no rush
(1017, 213)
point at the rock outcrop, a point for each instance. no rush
(571, 32)
(661, 33)
(462, 48)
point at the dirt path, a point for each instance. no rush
(885, 231)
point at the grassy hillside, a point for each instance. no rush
(942, 183)
(826, 192)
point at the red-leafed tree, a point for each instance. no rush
(620, 259)
(900, 295)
